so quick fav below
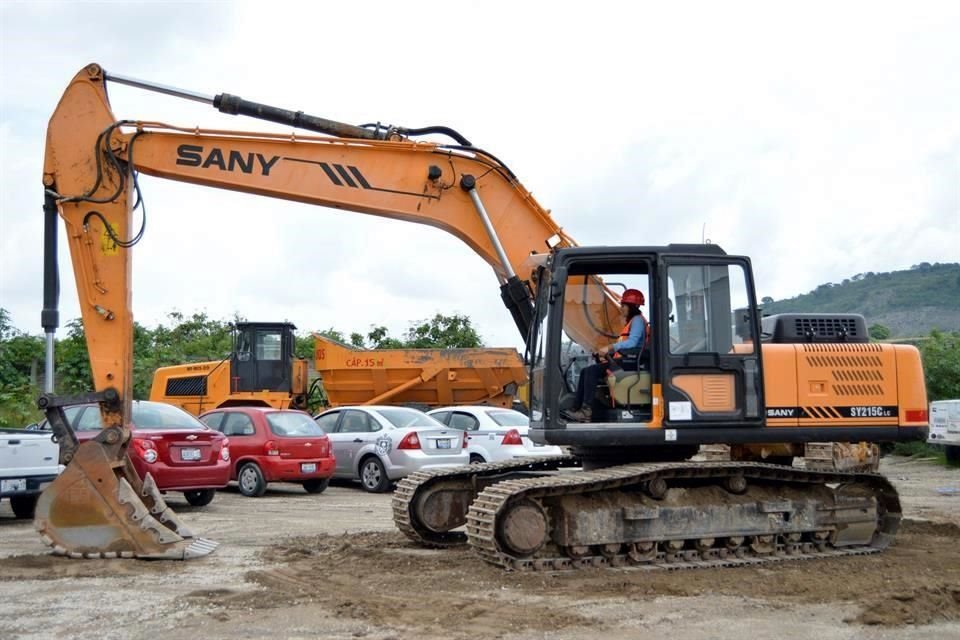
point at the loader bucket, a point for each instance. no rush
(98, 508)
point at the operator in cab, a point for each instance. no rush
(634, 335)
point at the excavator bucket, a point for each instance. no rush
(99, 508)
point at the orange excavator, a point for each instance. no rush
(711, 371)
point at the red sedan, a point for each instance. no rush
(274, 445)
(179, 451)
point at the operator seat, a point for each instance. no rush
(630, 385)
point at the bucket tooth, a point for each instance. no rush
(161, 510)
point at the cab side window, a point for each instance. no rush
(269, 345)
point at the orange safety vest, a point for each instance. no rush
(625, 333)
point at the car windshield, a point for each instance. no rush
(406, 418)
(293, 425)
(509, 418)
(157, 415)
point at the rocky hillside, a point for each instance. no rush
(910, 303)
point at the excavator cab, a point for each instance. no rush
(263, 353)
(697, 376)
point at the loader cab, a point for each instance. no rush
(262, 357)
(699, 374)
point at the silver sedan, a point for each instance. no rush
(380, 444)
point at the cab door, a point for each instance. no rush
(712, 371)
(261, 359)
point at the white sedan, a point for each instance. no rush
(494, 433)
(379, 445)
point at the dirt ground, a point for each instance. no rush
(332, 565)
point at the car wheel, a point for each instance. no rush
(251, 481)
(23, 506)
(373, 477)
(200, 497)
(476, 458)
(316, 485)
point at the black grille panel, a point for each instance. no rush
(815, 328)
(826, 327)
(192, 386)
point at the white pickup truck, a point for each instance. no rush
(29, 461)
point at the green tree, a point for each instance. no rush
(21, 365)
(6, 328)
(21, 355)
(879, 332)
(443, 332)
(303, 346)
(73, 373)
(380, 339)
(941, 364)
(333, 334)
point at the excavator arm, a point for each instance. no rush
(90, 178)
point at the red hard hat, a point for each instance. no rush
(632, 296)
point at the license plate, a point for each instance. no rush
(308, 467)
(189, 454)
(443, 443)
(13, 484)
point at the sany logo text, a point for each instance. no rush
(194, 155)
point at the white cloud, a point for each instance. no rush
(822, 141)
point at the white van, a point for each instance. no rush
(945, 427)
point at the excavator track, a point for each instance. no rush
(610, 517)
(451, 490)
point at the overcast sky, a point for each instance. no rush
(823, 140)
